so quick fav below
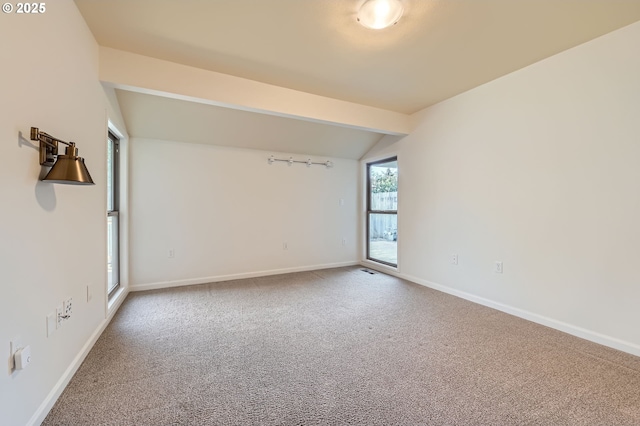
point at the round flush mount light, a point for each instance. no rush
(379, 14)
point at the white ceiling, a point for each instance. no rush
(440, 48)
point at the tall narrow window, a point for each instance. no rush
(113, 202)
(382, 211)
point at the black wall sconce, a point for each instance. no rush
(67, 168)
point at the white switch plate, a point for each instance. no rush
(454, 259)
(14, 345)
(171, 254)
(89, 293)
(498, 267)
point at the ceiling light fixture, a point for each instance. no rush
(67, 168)
(379, 14)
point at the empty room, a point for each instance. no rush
(321, 212)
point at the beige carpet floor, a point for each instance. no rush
(340, 347)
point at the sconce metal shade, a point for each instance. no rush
(69, 169)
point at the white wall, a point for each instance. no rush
(52, 236)
(226, 212)
(539, 169)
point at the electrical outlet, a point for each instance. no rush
(67, 308)
(22, 358)
(454, 259)
(171, 254)
(498, 267)
(59, 316)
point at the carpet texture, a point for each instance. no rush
(340, 347)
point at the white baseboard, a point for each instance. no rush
(583, 333)
(42, 411)
(218, 278)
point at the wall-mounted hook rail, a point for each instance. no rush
(328, 164)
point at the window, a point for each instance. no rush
(382, 211)
(113, 203)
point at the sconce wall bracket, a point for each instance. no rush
(48, 147)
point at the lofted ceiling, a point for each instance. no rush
(157, 117)
(440, 48)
